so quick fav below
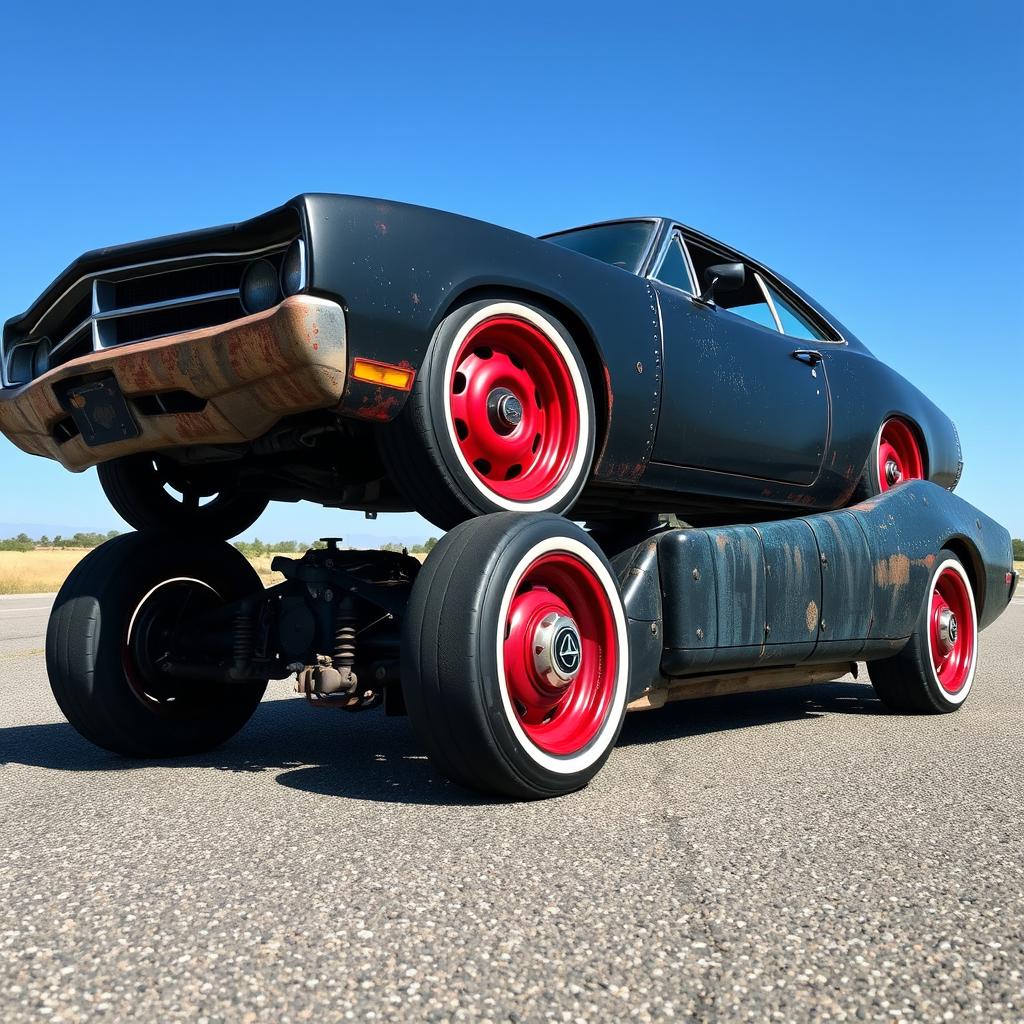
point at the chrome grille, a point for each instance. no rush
(124, 305)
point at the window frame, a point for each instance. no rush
(673, 236)
(763, 276)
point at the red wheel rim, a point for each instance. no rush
(952, 631)
(899, 455)
(560, 711)
(514, 409)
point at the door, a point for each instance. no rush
(741, 397)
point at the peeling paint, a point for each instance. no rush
(812, 616)
(893, 571)
(252, 372)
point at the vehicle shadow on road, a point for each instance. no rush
(679, 719)
(363, 756)
(368, 756)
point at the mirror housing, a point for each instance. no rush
(722, 277)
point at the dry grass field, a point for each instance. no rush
(44, 570)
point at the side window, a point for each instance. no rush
(794, 323)
(674, 269)
(748, 302)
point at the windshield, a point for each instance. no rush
(621, 245)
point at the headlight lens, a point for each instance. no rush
(259, 286)
(293, 269)
(41, 358)
(19, 364)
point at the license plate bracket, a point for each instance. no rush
(101, 413)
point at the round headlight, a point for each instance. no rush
(293, 269)
(259, 286)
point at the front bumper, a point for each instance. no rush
(250, 373)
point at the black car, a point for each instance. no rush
(379, 356)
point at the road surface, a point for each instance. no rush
(788, 856)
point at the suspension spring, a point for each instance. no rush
(344, 642)
(243, 636)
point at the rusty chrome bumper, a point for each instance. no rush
(249, 373)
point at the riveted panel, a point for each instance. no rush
(792, 589)
(740, 584)
(847, 589)
(688, 589)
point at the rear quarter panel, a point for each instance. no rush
(865, 393)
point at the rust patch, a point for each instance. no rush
(372, 401)
(722, 540)
(381, 228)
(608, 391)
(629, 472)
(415, 298)
(893, 571)
(812, 616)
(251, 371)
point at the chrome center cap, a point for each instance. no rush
(892, 472)
(504, 410)
(557, 650)
(947, 630)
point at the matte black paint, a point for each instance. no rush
(820, 589)
(700, 411)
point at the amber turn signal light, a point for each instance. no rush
(385, 374)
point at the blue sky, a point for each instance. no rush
(872, 152)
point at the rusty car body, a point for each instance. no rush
(378, 356)
(719, 407)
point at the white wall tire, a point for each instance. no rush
(501, 417)
(488, 716)
(935, 671)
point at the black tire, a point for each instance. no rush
(909, 681)
(452, 674)
(421, 449)
(136, 486)
(93, 674)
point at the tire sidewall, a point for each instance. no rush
(540, 770)
(946, 700)
(438, 370)
(99, 677)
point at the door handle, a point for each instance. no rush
(809, 356)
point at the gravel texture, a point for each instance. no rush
(790, 856)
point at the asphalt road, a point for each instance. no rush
(793, 856)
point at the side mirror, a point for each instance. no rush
(722, 277)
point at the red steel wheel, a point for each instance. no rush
(515, 655)
(953, 634)
(514, 409)
(934, 672)
(501, 417)
(560, 654)
(899, 455)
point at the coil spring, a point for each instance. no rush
(344, 643)
(243, 636)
